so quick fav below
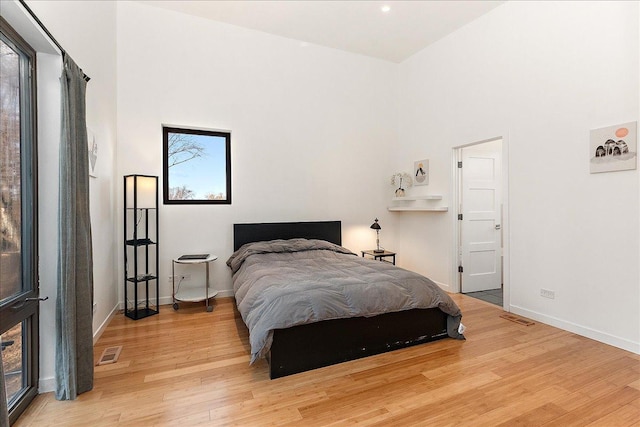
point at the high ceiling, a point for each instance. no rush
(355, 26)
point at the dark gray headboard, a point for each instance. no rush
(331, 231)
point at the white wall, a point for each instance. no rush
(311, 127)
(540, 74)
(87, 32)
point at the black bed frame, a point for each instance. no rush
(305, 347)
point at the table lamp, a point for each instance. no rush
(377, 227)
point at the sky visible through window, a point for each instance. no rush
(205, 174)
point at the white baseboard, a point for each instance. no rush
(225, 293)
(593, 334)
(46, 385)
(444, 287)
(98, 333)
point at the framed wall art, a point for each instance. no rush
(421, 172)
(614, 148)
(93, 153)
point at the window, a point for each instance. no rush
(18, 217)
(197, 166)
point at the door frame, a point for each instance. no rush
(456, 191)
(23, 308)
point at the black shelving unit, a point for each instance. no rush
(141, 290)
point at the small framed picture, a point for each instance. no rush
(613, 148)
(93, 153)
(421, 172)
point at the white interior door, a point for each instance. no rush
(481, 235)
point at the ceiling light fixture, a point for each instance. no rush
(386, 8)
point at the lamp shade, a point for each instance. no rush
(144, 188)
(375, 225)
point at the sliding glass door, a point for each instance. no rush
(18, 221)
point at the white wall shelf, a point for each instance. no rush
(418, 209)
(414, 198)
(408, 203)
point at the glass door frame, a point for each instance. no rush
(23, 306)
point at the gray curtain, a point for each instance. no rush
(4, 412)
(74, 314)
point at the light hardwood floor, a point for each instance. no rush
(192, 368)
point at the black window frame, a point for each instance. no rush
(166, 130)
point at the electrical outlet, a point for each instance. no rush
(546, 293)
(95, 307)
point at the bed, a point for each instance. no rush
(291, 281)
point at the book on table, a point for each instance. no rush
(193, 257)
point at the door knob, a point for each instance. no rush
(36, 299)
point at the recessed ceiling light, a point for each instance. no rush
(386, 8)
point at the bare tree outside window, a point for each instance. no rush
(10, 197)
(182, 148)
(180, 193)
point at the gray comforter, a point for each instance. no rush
(283, 283)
